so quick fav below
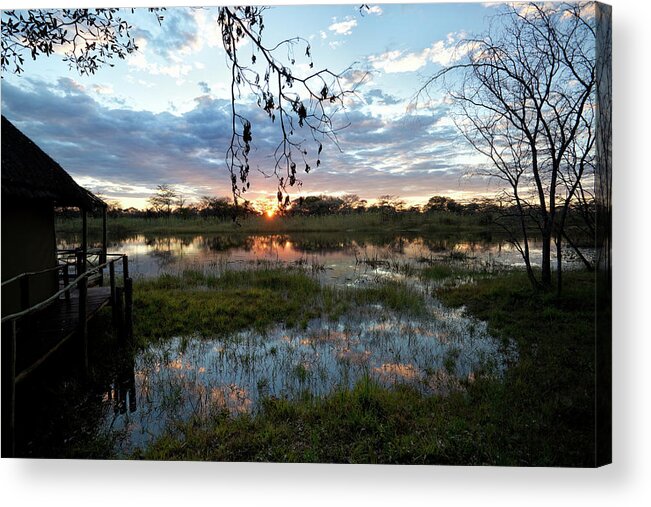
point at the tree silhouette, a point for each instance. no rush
(524, 98)
(164, 199)
(301, 105)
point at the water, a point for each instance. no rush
(189, 376)
(339, 254)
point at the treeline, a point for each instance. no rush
(487, 210)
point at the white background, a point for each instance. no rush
(626, 482)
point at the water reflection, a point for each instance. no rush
(339, 254)
(188, 377)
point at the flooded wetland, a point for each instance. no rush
(225, 325)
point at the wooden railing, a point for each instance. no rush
(121, 300)
(81, 280)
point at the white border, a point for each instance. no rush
(626, 482)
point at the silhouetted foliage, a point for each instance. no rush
(164, 199)
(441, 203)
(89, 37)
(524, 97)
(316, 205)
(301, 105)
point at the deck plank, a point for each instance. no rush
(42, 331)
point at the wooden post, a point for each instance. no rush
(112, 283)
(104, 236)
(125, 267)
(128, 308)
(84, 240)
(79, 263)
(83, 323)
(119, 313)
(24, 292)
(66, 282)
(8, 389)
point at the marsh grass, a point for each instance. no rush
(366, 222)
(217, 305)
(540, 413)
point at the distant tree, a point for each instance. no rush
(300, 103)
(441, 203)
(219, 207)
(524, 98)
(163, 200)
(181, 206)
(351, 203)
(316, 205)
(390, 204)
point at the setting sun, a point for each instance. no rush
(270, 213)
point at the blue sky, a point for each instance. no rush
(162, 115)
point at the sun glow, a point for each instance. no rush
(270, 213)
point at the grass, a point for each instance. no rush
(367, 424)
(367, 222)
(546, 403)
(540, 414)
(212, 305)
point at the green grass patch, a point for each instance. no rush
(539, 414)
(195, 303)
(367, 222)
(367, 424)
(439, 271)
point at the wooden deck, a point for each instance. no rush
(35, 334)
(48, 330)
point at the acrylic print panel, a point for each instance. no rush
(333, 234)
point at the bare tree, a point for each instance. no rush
(524, 97)
(164, 199)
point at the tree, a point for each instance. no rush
(89, 37)
(523, 97)
(352, 203)
(316, 205)
(390, 204)
(164, 199)
(442, 203)
(302, 106)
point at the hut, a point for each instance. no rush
(33, 185)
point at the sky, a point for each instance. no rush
(162, 115)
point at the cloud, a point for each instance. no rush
(103, 89)
(374, 9)
(204, 87)
(441, 52)
(139, 61)
(127, 152)
(343, 27)
(377, 96)
(398, 61)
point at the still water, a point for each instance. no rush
(187, 376)
(340, 255)
(195, 377)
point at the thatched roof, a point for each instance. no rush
(28, 173)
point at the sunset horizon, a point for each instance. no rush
(161, 115)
